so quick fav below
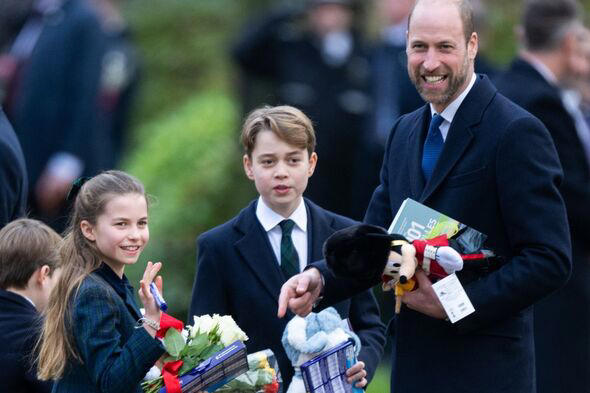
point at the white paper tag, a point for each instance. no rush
(451, 294)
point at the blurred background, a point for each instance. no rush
(200, 69)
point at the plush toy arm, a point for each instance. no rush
(409, 263)
(449, 259)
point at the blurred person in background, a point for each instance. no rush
(393, 92)
(542, 79)
(119, 80)
(68, 103)
(316, 61)
(13, 174)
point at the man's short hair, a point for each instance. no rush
(546, 22)
(25, 246)
(288, 123)
(465, 12)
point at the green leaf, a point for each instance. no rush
(211, 350)
(197, 345)
(173, 342)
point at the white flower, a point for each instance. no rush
(203, 324)
(184, 333)
(229, 331)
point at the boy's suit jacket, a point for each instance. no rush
(20, 326)
(568, 339)
(498, 173)
(116, 355)
(239, 275)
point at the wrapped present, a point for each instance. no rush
(326, 373)
(216, 371)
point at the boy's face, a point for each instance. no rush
(280, 171)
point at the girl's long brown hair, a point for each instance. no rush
(79, 258)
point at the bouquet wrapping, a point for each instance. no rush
(198, 349)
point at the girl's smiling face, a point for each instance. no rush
(121, 231)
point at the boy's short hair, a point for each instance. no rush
(286, 122)
(25, 246)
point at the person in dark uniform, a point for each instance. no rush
(13, 175)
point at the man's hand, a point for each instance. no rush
(300, 293)
(424, 299)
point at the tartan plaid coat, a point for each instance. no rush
(116, 356)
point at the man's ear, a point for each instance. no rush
(87, 230)
(247, 161)
(313, 160)
(473, 46)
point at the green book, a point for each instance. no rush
(417, 221)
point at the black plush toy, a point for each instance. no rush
(370, 254)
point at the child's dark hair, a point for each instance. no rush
(286, 122)
(25, 246)
(80, 257)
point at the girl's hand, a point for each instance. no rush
(357, 373)
(152, 311)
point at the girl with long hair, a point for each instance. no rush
(94, 337)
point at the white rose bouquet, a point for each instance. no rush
(189, 347)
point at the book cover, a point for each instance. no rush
(417, 221)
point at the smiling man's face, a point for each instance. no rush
(440, 62)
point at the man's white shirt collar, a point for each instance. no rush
(269, 218)
(449, 112)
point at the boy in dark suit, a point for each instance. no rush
(243, 263)
(28, 264)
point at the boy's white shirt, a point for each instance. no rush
(270, 220)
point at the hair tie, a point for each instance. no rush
(76, 186)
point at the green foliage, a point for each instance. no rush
(190, 161)
(380, 381)
(184, 48)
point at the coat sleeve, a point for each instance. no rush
(528, 176)
(366, 322)
(113, 366)
(209, 294)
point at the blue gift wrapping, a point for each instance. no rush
(326, 373)
(216, 371)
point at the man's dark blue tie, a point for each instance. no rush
(432, 146)
(289, 256)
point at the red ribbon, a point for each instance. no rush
(167, 322)
(169, 374)
(170, 369)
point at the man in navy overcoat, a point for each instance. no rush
(497, 172)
